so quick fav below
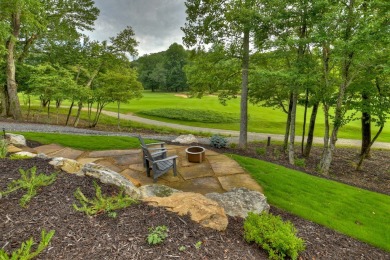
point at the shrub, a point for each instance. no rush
(300, 162)
(24, 252)
(157, 235)
(29, 181)
(218, 141)
(278, 238)
(101, 203)
(261, 151)
(233, 145)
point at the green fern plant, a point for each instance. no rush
(24, 252)
(30, 182)
(101, 203)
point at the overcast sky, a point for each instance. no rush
(156, 23)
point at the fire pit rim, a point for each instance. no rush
(197, 156)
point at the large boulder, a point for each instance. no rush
(185, 139)
(15, 139)
(201, 209)
(67, 165)
(156, 190)
(108, 176)
(239, 201)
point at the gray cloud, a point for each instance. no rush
(156, 23)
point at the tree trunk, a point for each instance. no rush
(366, 126)
(119, 119)
(364, 155)
(69, 112)
(77, 119)
(310, 134)
(291, 152)
(242, 143)
(4, 101)
(12, 88)
(304, 121)
(288, 123)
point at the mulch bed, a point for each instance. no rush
(78, 236)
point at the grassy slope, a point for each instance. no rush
(261, 119)
(356, 212)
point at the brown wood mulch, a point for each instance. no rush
(78, 236)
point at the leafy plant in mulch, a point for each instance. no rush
(278, 238)
(157, 235)
(24, 252)
(101, 203)
(30, 182)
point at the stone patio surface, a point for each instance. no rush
(217, 173)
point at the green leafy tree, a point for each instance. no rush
(175, 60)
(233, 24)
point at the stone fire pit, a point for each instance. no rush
(195, 154)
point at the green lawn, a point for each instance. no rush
(85, 142)
(358, 213)
(261, 119)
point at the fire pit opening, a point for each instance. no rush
(195, 154)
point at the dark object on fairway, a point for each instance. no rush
(158, 166)
(195, 154)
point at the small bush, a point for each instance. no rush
(24, 252)
(218, 141)
(233, 145)
(31, 182)
(261, 151)
(3, 148)
(157, 235)
(101, 203)
(300, 162)
(278, 238)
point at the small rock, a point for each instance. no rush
(15, 139)
(26, 154)
(156, 190)
(202, 210)
(185, 139)
(240, 201)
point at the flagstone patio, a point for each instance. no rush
(218, 173)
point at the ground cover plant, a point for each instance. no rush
(353, 211)
(101, 203)
(29, 181)
(278, 238)
(24, 252)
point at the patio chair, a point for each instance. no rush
(156, 152)
(159, 166)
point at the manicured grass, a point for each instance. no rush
(85, 142)
(358, 213)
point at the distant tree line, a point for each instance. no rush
(163, 71)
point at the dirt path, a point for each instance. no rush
(234, 134)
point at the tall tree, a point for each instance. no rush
(175, 60)
(233, 24)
